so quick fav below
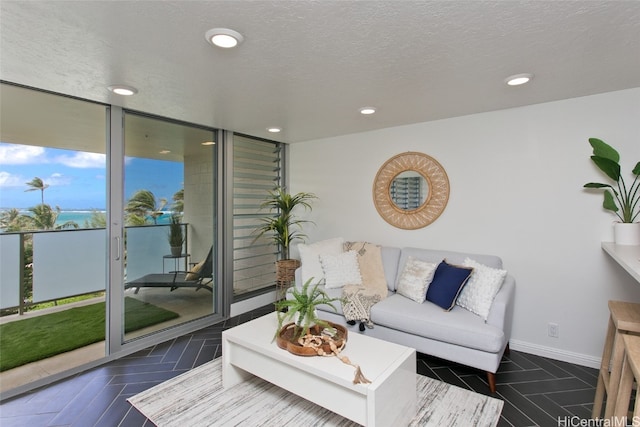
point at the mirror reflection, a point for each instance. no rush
(408, 190)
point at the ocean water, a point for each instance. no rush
(80, 216)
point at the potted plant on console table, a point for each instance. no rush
(625, 201)
(284, 228)
(176, 236)
(300, 308)
(307, 335)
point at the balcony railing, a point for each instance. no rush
(68, 263)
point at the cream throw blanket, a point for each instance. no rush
(358, 299)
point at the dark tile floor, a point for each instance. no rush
(536, 391)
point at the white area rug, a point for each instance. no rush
(196, 398)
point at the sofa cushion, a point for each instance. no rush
(482, 287)
(415, 278)
(310, 257)
(341, 269)
(390, 263)
(447, 283)
(458, 326)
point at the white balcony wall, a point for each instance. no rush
(146, 247)
(10, 271)
(67, 263)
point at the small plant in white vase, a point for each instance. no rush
(622, 200)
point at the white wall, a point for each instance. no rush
(199, 189)
(516, 181)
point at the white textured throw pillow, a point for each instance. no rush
(415, 279)
(310, 257)
(340, 270)
(482, 287)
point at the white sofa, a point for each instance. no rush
(457, 335)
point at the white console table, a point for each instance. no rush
(628, 256)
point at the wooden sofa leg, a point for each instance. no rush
(507, 350)
(491, 379)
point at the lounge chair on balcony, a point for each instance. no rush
(200, 277)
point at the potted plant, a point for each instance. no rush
(284, 228)
(300, 308)
(176, 236)
(619, 198)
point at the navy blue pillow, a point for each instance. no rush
(448, 281)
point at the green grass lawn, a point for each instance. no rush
(37, 338)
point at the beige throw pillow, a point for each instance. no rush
(193, 273)
(370, 262)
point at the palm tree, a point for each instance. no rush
(143, 204)
(178, 201)
(13, 220)
(98, 220)
(44, 218)
(37, 184)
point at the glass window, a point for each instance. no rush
(52, 228)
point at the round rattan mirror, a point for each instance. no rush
(411, 190)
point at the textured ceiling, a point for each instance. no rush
(307, 66)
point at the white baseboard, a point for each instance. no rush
(556, 354)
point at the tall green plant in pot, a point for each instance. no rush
(284, 227)
(176, 235)
(622, 200)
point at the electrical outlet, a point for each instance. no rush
(554, 330)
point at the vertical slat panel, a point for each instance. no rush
(256, 169)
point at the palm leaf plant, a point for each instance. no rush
(619, 198)
(282, 224)
(300, 307)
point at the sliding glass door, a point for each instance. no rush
(52, 231)
(123, 212)
(169, 234)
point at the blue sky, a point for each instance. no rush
(77, 180)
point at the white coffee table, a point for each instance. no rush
(390, 399)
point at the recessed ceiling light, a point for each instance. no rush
(208, 143)
(518, 79)
(224, 37)
(165, 151)
(367, 110)
(274, 129)
(123, 90)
